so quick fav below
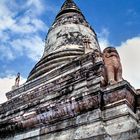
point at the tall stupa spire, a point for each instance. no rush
(65, 40)
(67, 6)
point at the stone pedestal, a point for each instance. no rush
(121, 120)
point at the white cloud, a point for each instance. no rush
(6, 53)
(23, 29)
(103, 38)
(130, 56)
(4, 37)
(36, 4)
(6, 16)
(28, 25)
(27, 22)
(30, 46)
(103, 43)
(6, 84)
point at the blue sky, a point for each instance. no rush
(24, 25)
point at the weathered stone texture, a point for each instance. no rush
(72, 93)
(79, 109)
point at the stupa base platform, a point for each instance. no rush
(115, 119)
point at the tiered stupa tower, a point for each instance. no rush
(65, 40)
(75, 92)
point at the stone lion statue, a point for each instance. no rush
(113, 67)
